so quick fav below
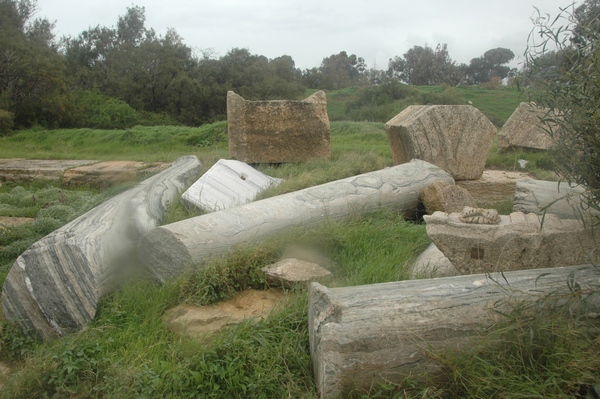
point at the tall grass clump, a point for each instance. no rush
(539, 349)
(375, 248)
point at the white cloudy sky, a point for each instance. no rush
(309, 30)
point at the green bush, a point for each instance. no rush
(156, 119)
(450, 96)
(380, 103)
(207, 135)
(7, 121)
(102, 112)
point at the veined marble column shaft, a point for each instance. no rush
(54, 287)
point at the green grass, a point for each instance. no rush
(337, 100)
(539, 164)
(498, 104)
(538, 350)
(127, 352)
(140, 143)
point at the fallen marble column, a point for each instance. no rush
(363, 335)
(169, 250)
(55, 285)
(539, 196)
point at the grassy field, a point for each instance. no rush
(128, 351)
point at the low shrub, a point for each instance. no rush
(207, 135)
(102, 112)
(7, 121)
(380, 103)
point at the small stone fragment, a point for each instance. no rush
(293, 272)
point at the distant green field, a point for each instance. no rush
(496, 104)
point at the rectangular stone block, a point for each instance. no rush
(278, 131)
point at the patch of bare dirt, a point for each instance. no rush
(7, 221)
(200, 320)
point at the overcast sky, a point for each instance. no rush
(310, 30)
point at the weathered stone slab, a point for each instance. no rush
(445, 197)
(494, 187)
(432, 263)
(457, 138)
(278, 131)
(169, 250)
(226, 184)
(16, 169)
(524, 130)
(293, 272)
(108, 173)
(539, 196)
(519, 241)
(55, 285)
(363, 335)
(196, 321)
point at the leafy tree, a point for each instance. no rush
(586, 20)
(102, 112)
(256, 77)
(132, 63)
(570, 89)
(130, 27)
(337, 71)
(144, 73)
(491, 64)
(32, 75)
(425, 66)
(283, 79)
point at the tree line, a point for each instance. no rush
(114, 77)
